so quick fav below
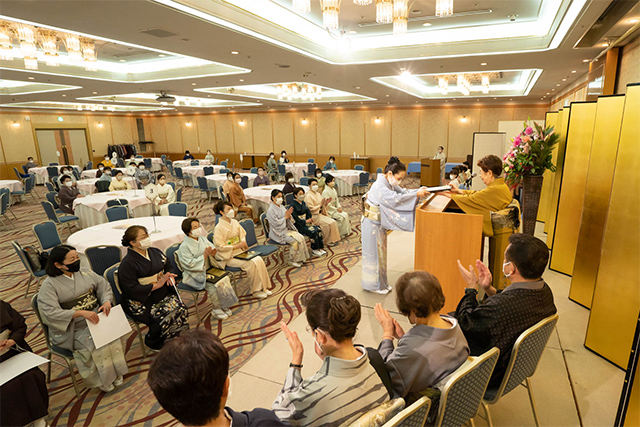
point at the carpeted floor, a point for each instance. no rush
(253, 323)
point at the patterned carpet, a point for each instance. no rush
(253, 323)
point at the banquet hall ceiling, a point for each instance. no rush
(229, 51)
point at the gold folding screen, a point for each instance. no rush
(550, 225)
(551, 119)
(602, 162)
(574, 176)
(616, 298)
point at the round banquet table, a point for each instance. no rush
(297, 169)
(218, 180)
(345, 178)
(196, 171)
(88, 186)
(42, 175)
(90, 209)
(11, 184)
(260, 197)
(89, 173)
(184, 163)
(110, 234)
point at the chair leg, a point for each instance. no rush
(142, 345)
(28, 285)
(488, 414)
(533, 403)
(195, 303)
(73, 378)
(49, 368)
(473, 424)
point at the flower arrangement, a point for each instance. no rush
(530, 153)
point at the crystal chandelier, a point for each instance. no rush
(363, 2)
(299, 91)
(49, 45)
(400, 15)
(72, 43)
(27, 37)
(88, 48)
(330, 12)
(444, 7)
(485, 82)
(6, 42)
(443, 84)
(302, 6)
(464, 86)
(467, 82)
(384, 11)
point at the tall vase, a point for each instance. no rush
(531, 190)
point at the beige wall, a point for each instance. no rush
(628, 65)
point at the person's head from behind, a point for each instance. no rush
(313, 184)
(298, 193)
(440, 149)
(224, 209)
(66, 180)
(162, 179)
(191, 227)
(395, 171)
(276, 196)
(196, 392)
(289, 177)
(419, 295)
(490, 168)
(136, 237)
(525, 258)
(62, 259)
(333, 317)
(237, 178)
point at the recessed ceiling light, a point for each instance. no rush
(122, 60)
(353, 32)
(357, 87)
(162, 55)
(483, 63)
(548, 93)
(573, 71)
(632, 20)
(605, 44)
(585, 60)
(241, 80)
(427, 24)
(564, 80)
(387, 96)
(193, 84)
(558, 84)
(95, 93)
(64, 96)
(552, 90)
(233, 52)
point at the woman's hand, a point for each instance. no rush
(340, 210)
(209, 251)
(4, 345)
(106, 308)
(422, 192)
(456, 190)
(385, 320)
(288, 213)
(399, 332)
(294, 343)
(309, 221)
(90, 316)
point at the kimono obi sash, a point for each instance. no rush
(371, 212)
(149, 279)
(87, 301)
(233, 241)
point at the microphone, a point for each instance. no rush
(473, 175)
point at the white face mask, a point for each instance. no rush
(106, 159)
(196, 233)
(162, 182)
(290, 180)
(145, 243)
(238, 180)
(230, 178)
(317, 344)
(231, 214)
(272, 156)
(394, 182)
(260, 173)
(142, 167)
(278, 201)
(68, 184)
(108, 173)
(314, 187)
(67, 172)
(503, 265)
(453, 177)
(119, 177)
(300, 198)
(101, 168)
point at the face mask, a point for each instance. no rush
(317, 344)
(453, 176)
(141, 168)
(230, 178)
(67, 172)
(394, 182)
(74, 267)
(119, 177)
(290, 180)
(101, 168)
(319, 175)
(162, 182)
(106, 159)
(108, 173)
(279, 201)
(272, 156)
(196, 233)
(68, 183)
(145, 243)
(238, 180)
(231, 214)
(282, 155)
(300, 197)
(314, 187)
(260, 173)
(503, 265)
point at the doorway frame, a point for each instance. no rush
(62, 126)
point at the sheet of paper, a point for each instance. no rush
(109, 328)
(16, 365)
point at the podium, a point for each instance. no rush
(444, 236)
(429, 172)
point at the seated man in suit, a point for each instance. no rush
(195, 393)
(504, 315)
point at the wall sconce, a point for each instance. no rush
(377, 120)
(100, 125)
(60, 119)
(15, 124)
(304, 121)
(463, 119)
(188, 124)
(241, 122)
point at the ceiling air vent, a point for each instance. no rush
(158, 32)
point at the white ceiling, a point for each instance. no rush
(264, 49)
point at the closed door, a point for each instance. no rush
(63, 146)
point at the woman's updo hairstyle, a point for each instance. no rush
(333, 311)
(395, 165)
(131, 234)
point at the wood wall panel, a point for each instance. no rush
(243, 133)
(174, 134)
(329, 133)
(352, 133)
(206, 134)
(262, 133)
(17, 141)
(305, 134)
(461, 133)
(378, 135)
(158, 134)
(434, 131)
(224, 132)
(189, 132)
(283, 133)
(490, 117)
(405, 133)
(100, 135)
(121, 129)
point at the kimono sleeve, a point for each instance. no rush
(18, 326)
(282, 406)
(189, 258)
(49, 306)
(128, 279)
(102, 287)
(397, 209)
(220, 239)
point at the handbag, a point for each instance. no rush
(226, 294)
(34, 258)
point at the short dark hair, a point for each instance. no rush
(141, 164)
(236, 175)
(64, 178)
(440, 146)
(275, 192)
(288, 175)
(283, 151)
(529, 254)
(29, 158)
(57, 254)
(107, 168)
(329, 178)
(100, 164)
(186, 152)
(332, 157)
(116, 172)
(333, 311)
(218, 209)
(395, 166)
(131, 234)
(161, 175)
(270, 154)
(491, 163)
(186, 225)
(260, 167)
(420, 292)
(188, 376)
(297, 190)
(229, 173)
(311, 181)
(318, 170)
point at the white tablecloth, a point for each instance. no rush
(195, 171)
(88, 174)
(156, 163)
(219, 179)
(90, 209)
(11, 184)
(88, 186)
(297, 169)
(41, 173)
(183, 163)
(260, 197)
(345, 178)
(111, 233)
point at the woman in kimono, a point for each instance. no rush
(230, 240)
(226, 187)
(25, 398)
(334, 208)
(194, 254)
(321, 180)
(67, 194)
(290, 183)
(161, 195)
(283, 231)
(387, 207)
(272, 167)
(303, 221)
(143, 176)
(317, 205)
(67, 300)
(148, 294)
(443, 161)
(238, 200)
(119, 184)
(331, 164)
(210, 157)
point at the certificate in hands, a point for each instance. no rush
(110, 327)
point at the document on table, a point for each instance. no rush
(109, 328)
(18, 364)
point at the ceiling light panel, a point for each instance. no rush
(16, 87)
(81, 106)
(180, 101)
(115, 61)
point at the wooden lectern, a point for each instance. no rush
(430, 172)
(444, 236)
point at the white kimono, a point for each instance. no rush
(342, 218)
(157, 193)
(329, 226)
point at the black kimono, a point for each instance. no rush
(161, 310)
(25, 398)
(300, 215)
(288, 188)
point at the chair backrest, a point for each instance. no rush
(311, 160)
(179, 173)
(413, 415)
(49, 186)
(202, 183)
(207, 170)
(47, 235)
(210, 236)
(304, 180)
(29, 184)
(195, 163)
(171, 252)
(120, 162)
(364, 178)
(139, 156)
(282, 170)
(178, 195)
(4, 201)
(110, 275)
(253, 170)
(117, 213)
(22, 256)
(51, 197)
(359, 167)
(379, 170)
(463, 391)
(172, 184)
(25, 168)
(54, 164)
(117, 202)
(50, 211)
(265, 225)
(76, 174)
(380, 414)
(250, 229)
(216, 219)
(102, 257)
(288, 199)
(163, 157)
(224, 163)
(52, 171)
(244, 182)
(311, 169)
(223, 196)
(224, 170)
(177, 209)
(17, 173)
(147, 163)
(102, 186)
(526, 354)
(172, 171)
(45, 328)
